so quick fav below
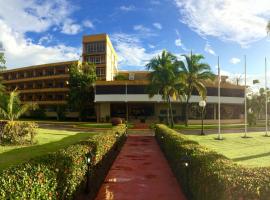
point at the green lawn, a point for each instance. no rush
(215, 126)
(47, 141)
(252, 152)
(99, 125)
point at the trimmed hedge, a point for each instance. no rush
(211, 176)
(62, 174)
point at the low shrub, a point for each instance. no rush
(61, 175)
(210, 175)
(116, 121)
(2, 125)
(17, 132)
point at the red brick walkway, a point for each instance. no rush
(140, 172)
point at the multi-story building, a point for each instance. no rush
(47, 85)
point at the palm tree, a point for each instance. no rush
(164, 80)
(193, 73)
(11, 107)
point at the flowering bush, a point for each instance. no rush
(61, 175)
(209, 175)
(16, 132)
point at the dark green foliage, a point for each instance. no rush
(16, 132)
(61, 175)
(2, 62)
(211, 176)
(60, 112)
(82, 95)
(38, 114)
(120, 77)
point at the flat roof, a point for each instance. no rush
(39, 66)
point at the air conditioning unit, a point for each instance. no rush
(131, 76)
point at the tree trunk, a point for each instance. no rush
(171, 113)
(168, 113)
(187, 111)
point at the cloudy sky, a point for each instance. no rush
(42, 31)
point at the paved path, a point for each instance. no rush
(140, 172)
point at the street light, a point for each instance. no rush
(88, 160)
(202, 104)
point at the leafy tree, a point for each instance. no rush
(81, 83)
(2, 62)
(256, 104)
(193, 74)
(164, 80)
(11, 107)
(2, 67)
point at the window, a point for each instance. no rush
(100, 71)
(96, 59)
(94, 47)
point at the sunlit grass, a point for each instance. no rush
(47, 141)
(253, 151)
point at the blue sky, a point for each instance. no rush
(35, 31)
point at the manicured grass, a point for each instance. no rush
(100, 125)
(252, 152)
(207, 126)
(47, 141)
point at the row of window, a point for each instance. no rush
(44, 97)
(95, 47)
(140, 89)
(35, 73)
(100, 59)
(39, 85)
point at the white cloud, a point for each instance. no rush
(241, 21)
(88, 24)
(34, 16)
(178, 42)
(141, 28)
(209, 49)
(71, 28)
(131, 51)
(157, 25)
(45, 39)
(143, 31)
(21, 51)
(235, 61)
(20, 17)
(127, 8)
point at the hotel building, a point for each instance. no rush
(47, 85)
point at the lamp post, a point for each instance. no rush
(202, 104)
(88, 160)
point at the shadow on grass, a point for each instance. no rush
(23, 154)
(251, 157)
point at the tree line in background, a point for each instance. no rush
(175, 78)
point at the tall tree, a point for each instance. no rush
(193, 73)
(164, 80)
(2, 67)
(11, 107)
(2, 62)
(81, 83)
